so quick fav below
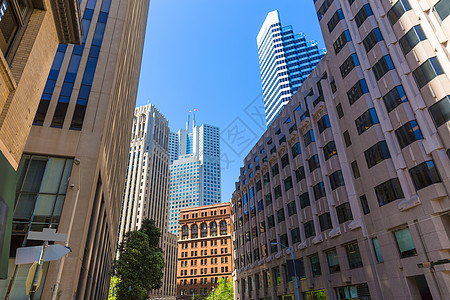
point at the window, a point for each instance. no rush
(363, 14)
(336, 180)
(351, 292)
(280, 215)
(382, 66)
(356, 91)
(323, 8)
(398, 10)
(308, 138)
(353, 255)
(427, 71)
(340, 111)
(333, 261)
(284, 161)
(292, 210)
(304, 200)
(372, 39)
(366, 120)
(194, 231)
(376, 154)
(213, 228)
(334, 20)
(389, 191)
(394, 98)
(323, 123)
(185, 232)
(344, 212)
(424, 174)
(295, 235)
(329, 150)
(355, 170)
(377, 250)
(319, 190)
(442, 9)
(405, 243)
(364, 204)
(347, 139)
(271, 221)
(296, 150)
(315, 265)
(313, 163)
(300, 174)
(268, 198)
(341, 41)
(440, 111)
(203, 230)
(309, 229)
(325, 221)
(408, 133)
(348, 65)
(277, 192)
(275, 170)
(414, 36)
(223, 228)
(266, 178)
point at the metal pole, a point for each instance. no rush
(38, 271)
(295, 274)
(63, 259)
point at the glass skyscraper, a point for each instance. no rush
(285, 61)
(194, 170)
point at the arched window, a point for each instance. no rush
(223, 227)
(185, 232)
(213, 228)
(203, 230)
(194, 231)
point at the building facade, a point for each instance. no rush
(353, 175)
(195, 174)
(285, 61)
(30, 32)
(204, 249)
(146, 193)
(85, 114)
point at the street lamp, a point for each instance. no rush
(295, 270)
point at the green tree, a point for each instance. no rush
(140, 263)
(222, 291)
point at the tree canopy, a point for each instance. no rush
(222, 291)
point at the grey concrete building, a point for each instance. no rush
(146, 193)
(352, 178)
(85, 113)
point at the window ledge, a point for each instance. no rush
(335, 232)
(355, 224)
(409, 203)
(317, 239)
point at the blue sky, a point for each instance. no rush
(202, 54)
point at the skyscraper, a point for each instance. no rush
(85, 113)
(351, 180)
(147, 185)
(195, 174)
(285, 61)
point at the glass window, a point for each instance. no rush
(348, 65)
(308, 138)
(315, 265)
(341, 41)
(377, 250)
(8, 25)
(442, 9)
(300, 174)
(319, 190)
(440, 111)
(355, 169)
(296, 150)
(376, 154)
(334, 20)
(309, 229)
(277, 191)
(194, 231)
(284, 161)
(427, 71)
(340, 111)
(325, 221)
(424, 174)
(394, 98)
(414, 36)
(323, 8)
(313, 163)
(353, 255)
(323, 123)
(268, 198)
(344, 212)
(364, 204)
(363, 14)
(389, 191)
(382, 66)
(329, 150)
(304, 200)
(295, 235)
(292, 210)
(359, 89)
(336, 180)
(397, 10)
(271, 221)
(408, 133)
(372, 39)
(275, 170)
(405, 243)
(347, 139)
(333, 261)
(280, 215)
(366, 120)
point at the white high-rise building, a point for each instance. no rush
(147, 186)
(195, 169)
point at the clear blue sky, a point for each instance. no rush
(202, 54)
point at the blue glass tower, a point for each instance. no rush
(285, 61)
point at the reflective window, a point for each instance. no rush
(425, 174)
(336, 179)
(325, 221)
(356, 91)
(440, 111)
(408, 133)
(394, 98)
(372, 39)
(397, 10)
(304, 200)
(344, 212)
(329, 150)
(363, 14)
(376, 154)
(427, 71)
(366, 120)
(333, 261)
(442, 9)
(414, 36)
(405, 243)
(382, 66)
(315, 265)
(389, 191)
(353, 255)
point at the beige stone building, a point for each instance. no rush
(85, 113)
(204, 249)
(30, 32)
(353, 175)
(146, 193)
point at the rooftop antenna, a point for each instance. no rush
(193, 122)
(187, 122)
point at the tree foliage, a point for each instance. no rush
(222, 291)
(140, 264)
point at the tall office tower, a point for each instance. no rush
(146, 193)
(195, 175)
(352, 178)
(30, 32)
(205, 257)
(85, 113)
(285, 61)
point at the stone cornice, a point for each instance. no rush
(68, 21)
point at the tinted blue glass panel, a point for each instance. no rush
(78, 49)
(88, 13)
(46, 97)
(89, 71)
(82, 102)
(56, 66)
(355, 59)
(102, 17)
(84, 91)
(66, 90)
(49, 86)
(73, 68)
(389, 62)
(436, 65)
(348, 36)
(95, 51)
(64, 99)
(62, 48)
(98, 34)
(416, 130)
(364, 86)
(91, 4)
(374, 116)
(106, 4)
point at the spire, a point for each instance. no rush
(193, 121)
(187, 121)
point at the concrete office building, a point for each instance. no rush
(204, 249)
(30, 32)
(285, 61)
(146, 193)
(195, 174)
(353, 175)
(85, 113)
